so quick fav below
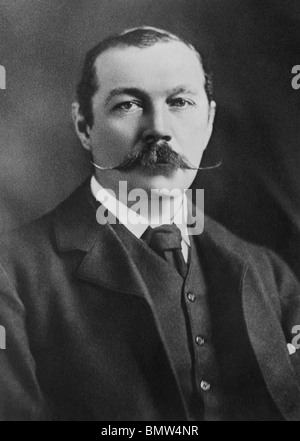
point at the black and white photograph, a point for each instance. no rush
(149, 213)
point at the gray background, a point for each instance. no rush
(253, 46)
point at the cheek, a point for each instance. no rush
(191, 131)
(116, 133)
(192, 136)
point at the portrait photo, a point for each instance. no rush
(149, 212)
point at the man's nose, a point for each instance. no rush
(156, 127)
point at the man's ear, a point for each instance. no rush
(212, 113)
(211, 119)
(81, 127)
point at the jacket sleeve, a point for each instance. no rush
(20, 395)
(288, 288)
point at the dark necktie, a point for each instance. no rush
(166, 242)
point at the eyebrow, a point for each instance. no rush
(183, 89)
(144, 95)
(125, 91)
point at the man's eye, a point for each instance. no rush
(128, 106)
(180, 103)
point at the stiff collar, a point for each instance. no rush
(134, 222)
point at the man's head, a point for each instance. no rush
(145, 97)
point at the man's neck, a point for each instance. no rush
(159, 208)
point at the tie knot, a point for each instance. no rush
(164, 238)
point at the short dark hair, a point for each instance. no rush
(141, 37)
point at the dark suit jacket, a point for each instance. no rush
(83, 342)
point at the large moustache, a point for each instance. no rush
(154, 156)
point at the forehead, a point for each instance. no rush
(160, 67)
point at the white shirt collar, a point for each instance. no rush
(140, 224)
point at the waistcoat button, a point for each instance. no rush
(205, 386)
(200, 340)
(191, 297)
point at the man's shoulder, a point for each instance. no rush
(34, 231)
(227, 240)
(237, 249)
(39, 234)
(256, 267)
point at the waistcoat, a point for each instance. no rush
(216, 384)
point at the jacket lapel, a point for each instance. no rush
(105, 261)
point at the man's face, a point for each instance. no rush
(157, 93)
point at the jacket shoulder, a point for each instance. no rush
(28, 234)
(40, 232)
(256, 257)
(31, 243)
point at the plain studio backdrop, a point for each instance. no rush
(253, 46)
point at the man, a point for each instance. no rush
(111, 319)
